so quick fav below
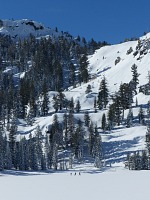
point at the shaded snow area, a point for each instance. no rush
(113, 184)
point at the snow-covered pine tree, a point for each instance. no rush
(78, 107)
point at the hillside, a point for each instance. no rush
(121, 140)
(49, 76)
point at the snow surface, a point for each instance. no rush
(113, 184)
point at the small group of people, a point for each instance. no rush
(75, 173)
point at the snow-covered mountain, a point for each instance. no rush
(24, 28)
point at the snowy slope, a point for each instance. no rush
(121, 140)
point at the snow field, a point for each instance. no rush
(114, 184)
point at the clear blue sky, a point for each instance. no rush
(109, 20)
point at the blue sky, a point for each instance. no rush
(109, 20)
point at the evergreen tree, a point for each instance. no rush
(91, 139)
(45, 102)
(71, 105)
(103, 94)
(104, 122)
(38, 146)
(12, 139)
(87, 119)
(70, 128)
(148, 139)
(95, 105)
(148, 109)
(130, 118)
(78, 140)
(111, 116)
(78, 106)
(97, 148)
(1, 148)
(83, 71)
(55, 103)
(61, 100)
(125, 94)
(141, 116)
(135, 76)
(88, 89)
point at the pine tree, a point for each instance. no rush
(144, 161)
(103, 94)
(45, 102)
(78, 140)
(148, 139)
(95, 105)
(83, 71)
(117, 110)
(88, 89)
(61, 100)
(97, 148)
(125, 94)
(135, 76)
(38, 146)
(12, 139)
(148, 109)
(91, 139)
(33, 160)
(130, 118)
(104, 122)
(1, 148)
(55, 103)
(70, 128)
(87, 119)
(78, 107)
(111, 116)
(71, 105)
(141, 116)
(65, 128)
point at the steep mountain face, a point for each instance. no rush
(24, 28)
